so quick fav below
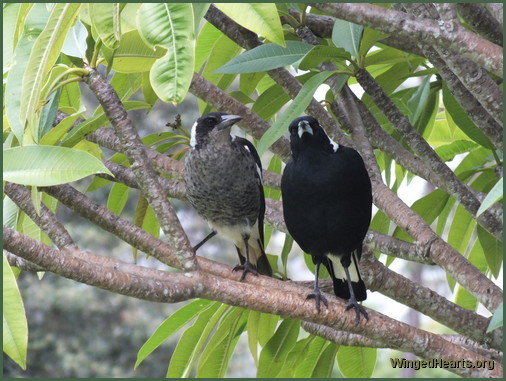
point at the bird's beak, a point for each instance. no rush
(228, 121)
(304, 127)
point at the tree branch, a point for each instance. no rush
(148, 181)
(479, 50)
(101, 272)
(482, 21)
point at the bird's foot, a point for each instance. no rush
(352, 303)
(317, 296)
(246, 268)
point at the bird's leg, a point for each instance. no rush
(247, 267)
(317, 295)
(209, 236)
(352, 302)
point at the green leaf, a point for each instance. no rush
(45, 52)
(322, 53)
(297, 353)
(297, 106)
(306, 367)
(75, 42)
(266, 57)
(275, 352)
(171, 325)
(213, 362)
(495, 194)
(497, 318)
(10, 213)
(192, 341)
(461, 230)
(34, 24)
(133, 55)
(105, 18)
(94, 123)
(287, 246)
(169, 25)
(369, 38)
(48, 165)
(325, 365)
(199, 11)
(418, 100)
(465, 300)
(448, 152)
(356, 362)
(267, 327)
(118, 198)
(462, 120)
(492, 249)
(270, 102)
(205, 44)
(15, 328)
(260, 18)
(347, 35)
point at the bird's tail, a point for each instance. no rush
(257, 256)
(336, 270)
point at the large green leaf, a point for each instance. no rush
(356, 362)
(193, 340)
(34, 24)
(171, 325)
(266, 57)
(105, 18)
(298, 106)
(169, 25)
(75, 42)
(275, 352)
(133, 55)
(305, 368)
(48, 165)
(45, 52)
(270, 102)
(495, 194)
(322, 53)
(347, 35)
(15, 328)
(492, 250)
(461, 230)
(448, 152)
(261, 18)
(462, 120)
(206, 41)
(325, 364)
(213, 362)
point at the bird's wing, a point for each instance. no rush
(247, 146)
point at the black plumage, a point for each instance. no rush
(327, 204)
(223, 176)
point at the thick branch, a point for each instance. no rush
(109, 274)
(482, 21)
(295, 305)
(148, 180)
(481, 51)
(45, 219)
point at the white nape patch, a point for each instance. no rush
(335, 146)
(193, 135)
(339, 269)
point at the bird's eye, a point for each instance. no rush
(210, 120)
(293, 131)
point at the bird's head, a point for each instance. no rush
(306, 133)
(212, 126)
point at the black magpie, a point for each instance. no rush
(327, 202)
(223, 176)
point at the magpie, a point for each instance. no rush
(327, 203)
(223, 176)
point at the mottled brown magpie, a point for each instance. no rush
(223, 176)
(327, 203)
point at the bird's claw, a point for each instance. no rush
(317, 296)
(246, 268)
(358, 310)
